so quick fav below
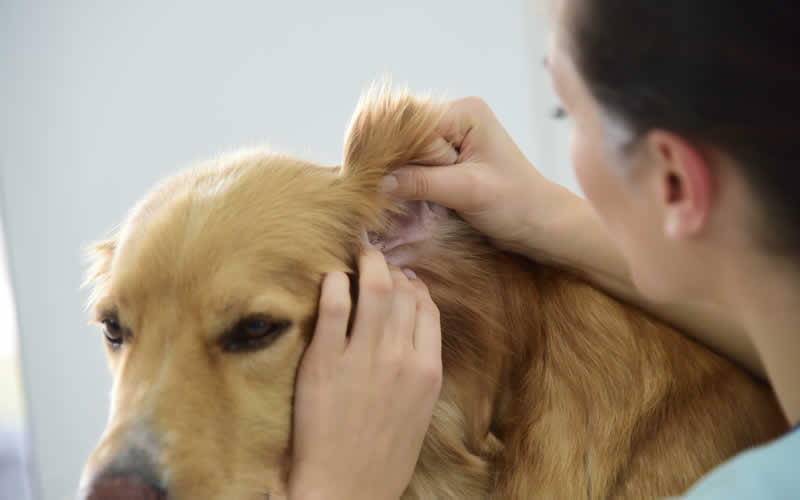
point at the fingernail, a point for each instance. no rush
(389, 184)
(410, 274)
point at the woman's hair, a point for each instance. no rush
(724, 73)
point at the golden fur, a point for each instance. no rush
(551, 388)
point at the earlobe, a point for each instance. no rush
(686, 184)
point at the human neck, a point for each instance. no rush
(766, 300)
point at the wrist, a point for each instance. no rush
(553, 224)
(566, 232)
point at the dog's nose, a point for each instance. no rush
(131, 473)
(124, 488)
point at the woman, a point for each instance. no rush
(685, 120)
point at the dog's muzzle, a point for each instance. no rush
(131, 474)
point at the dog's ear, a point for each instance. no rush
(99, 256)
(388, 130)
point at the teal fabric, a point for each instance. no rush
(771, 471)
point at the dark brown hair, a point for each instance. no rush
(724, 73)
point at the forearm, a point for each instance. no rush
(573, 237)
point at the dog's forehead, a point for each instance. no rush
(255, 219)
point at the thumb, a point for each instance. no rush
(453, 186)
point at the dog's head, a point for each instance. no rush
(207, 297)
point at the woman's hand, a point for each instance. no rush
(363, 404)
(481, 174)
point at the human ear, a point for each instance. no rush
(685, 183)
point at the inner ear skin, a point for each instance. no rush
(416, 224)
(401, 241)
(407, 231)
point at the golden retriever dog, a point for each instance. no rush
(207, 296)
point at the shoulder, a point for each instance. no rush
(768, 471)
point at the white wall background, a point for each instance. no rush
(101, 99)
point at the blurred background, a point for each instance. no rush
(101, 99)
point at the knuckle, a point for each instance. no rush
(420, 182)
(378, 287)
(392, 361)
(419, 286)
(332, 301)
(430, 373)
(429, 307)
(424, 299)
(373, 281)
(402, 285)
(476, 105)
(337, 307)
(408, 295)
(369, 254)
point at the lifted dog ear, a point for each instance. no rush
(388, 130)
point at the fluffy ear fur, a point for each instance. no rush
(388, 130)
(99, 255)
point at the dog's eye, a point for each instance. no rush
(253, 333)
(113, 332)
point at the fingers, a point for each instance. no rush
(368, 410)
(456, 181)
(330, 335)
(455, 186)
(395, 312)
(428, 331)
(460, 118)
(374, 302)
(400, 327)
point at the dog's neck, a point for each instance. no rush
(486, 326)
(487, 333)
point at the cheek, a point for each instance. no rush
(592, 171)
(605, 190)
(630, 220)
(627, 210)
